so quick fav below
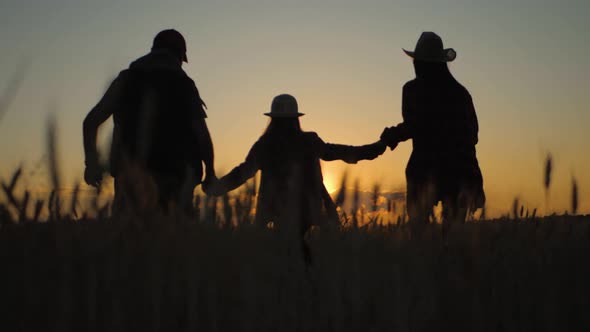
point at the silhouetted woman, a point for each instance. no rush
(291, 194)
(440, 118)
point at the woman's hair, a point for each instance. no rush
(432, 70)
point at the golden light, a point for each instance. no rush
(330, 183)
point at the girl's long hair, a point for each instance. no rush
(281, 128)
(281, 141)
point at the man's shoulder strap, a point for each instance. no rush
(136, 76)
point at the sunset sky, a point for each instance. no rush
(525, 63)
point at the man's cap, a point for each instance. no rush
(171, 39)
(284, 106)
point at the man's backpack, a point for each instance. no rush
(154, 121)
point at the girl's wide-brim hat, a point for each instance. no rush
(284, 106)
(429, 48)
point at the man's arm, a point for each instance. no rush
(200, 130)
(205, 146)
(99, 114)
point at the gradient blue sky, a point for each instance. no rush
(524, 62)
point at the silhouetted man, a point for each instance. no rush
(159, 128)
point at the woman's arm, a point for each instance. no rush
(404, 130)
(472, 124)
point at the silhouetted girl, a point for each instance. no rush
(291, 194)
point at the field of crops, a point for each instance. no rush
(215, 271)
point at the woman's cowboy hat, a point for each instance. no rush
(284, 106)
(430, 49)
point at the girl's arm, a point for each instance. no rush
(238, 176)
(352, 154)
(347, 153)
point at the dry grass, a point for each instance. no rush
(216, 272)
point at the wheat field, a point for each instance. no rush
(215, 271)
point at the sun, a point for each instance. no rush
(330, 184)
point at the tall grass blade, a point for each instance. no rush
(14, 180)
(547, 180)
(12, 88)
(515, 205)
(38, 208)
(548, 170)
(341, 197)
(74, 200)
(574, 196)
(375, 197)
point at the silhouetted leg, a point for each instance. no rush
(165, 192)
(175, 192)
(447, 216)
(125, 199)
(454, 212)
(118, 199)
(292, 240)
(307, 258)
(420, 199)
(134, 191)
(413, 204)
(304, 225)
(187, 187)
(332, 220)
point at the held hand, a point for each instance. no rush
(387, 135)
(212, 186)
(381, 146)
(392, 146)
(390, 137)
(374, 150)
(206, 184)
(93, 175)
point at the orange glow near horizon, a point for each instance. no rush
(330, 183)
(343, 63)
